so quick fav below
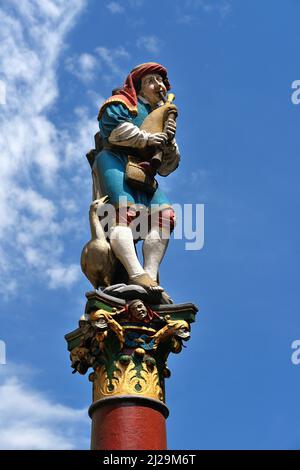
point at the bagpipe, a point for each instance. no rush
(142, 167)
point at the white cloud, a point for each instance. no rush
(83, 67)
(2, 92)
(111, 58)
(43, 168)
(187, 10)
(32, 421)
(95, 98)
(115, 7)
(107, 60)
(136, 3)
(152, 44)
(221, 7)
(63, 276)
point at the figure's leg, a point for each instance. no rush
(111, 169)
(156, 242)
(122, 243)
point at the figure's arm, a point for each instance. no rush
(116, 126)
(127, 134)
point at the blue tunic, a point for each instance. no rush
(111, 164)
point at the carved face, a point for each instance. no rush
(183, 333)
(138, 311)
(181, 329)
(151, 85)
(101, 323)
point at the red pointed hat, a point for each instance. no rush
(127, 94)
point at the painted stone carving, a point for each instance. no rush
(136, 141)
(127, 345)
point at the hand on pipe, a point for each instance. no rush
(171, 128)
(158, 139)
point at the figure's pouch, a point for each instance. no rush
(137, 177)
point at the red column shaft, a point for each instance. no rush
(128, 425)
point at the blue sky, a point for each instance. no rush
(231, 64)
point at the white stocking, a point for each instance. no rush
(121, 241)
(154, 248)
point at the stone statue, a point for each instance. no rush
(139, 312)
(136, 141)
(130, 325)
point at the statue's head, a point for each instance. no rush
(150, 81)
(152, 87)
(137, 310)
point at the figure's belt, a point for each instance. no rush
(119, 148)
